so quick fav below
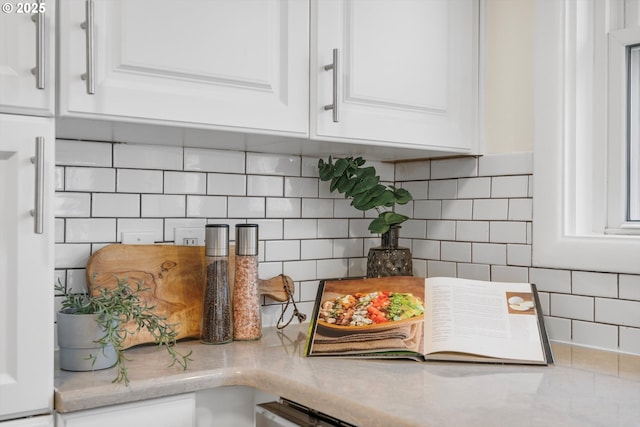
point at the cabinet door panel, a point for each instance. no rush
(26, 270)
(223, 63)
(19, 93)
(408, 71)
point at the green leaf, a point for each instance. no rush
(363, 202)
(341, 166)
(378, 226)
(386, 198)
(336, 182)
(366, 184)
(402, 196)
(392, 218)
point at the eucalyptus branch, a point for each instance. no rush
(362, 185)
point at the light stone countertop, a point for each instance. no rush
(584, 388)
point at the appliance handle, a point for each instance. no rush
(335, 67)
(87, 26)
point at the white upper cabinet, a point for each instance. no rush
(224, 64)
(407, 72)
(26, 265)
(27, 55)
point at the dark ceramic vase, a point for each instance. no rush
(389, 259)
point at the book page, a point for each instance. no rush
(492, 319)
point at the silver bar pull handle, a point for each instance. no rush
(335, 67)
(87, 26)
(38, 212)
(39, 70)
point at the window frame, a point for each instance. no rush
(579, 155)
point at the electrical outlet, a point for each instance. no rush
(188, 236)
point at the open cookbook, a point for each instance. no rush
(438, 318)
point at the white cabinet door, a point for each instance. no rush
(26, 266)
(407, 71)
(174, 411)
(234, 65)
(41, 421)
(27, 44)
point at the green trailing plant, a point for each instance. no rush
(115, 308)
(350, 177)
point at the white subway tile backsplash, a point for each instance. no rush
(268, 229)
(269, 186)
(282, 250)
(333, 228)
(300, 187)
(490, 209)
(418, 189)
(509, 186)
(164, 205)
(470, 217)
(141, 225)
(185, 183)
(427, 209)
(206, 206)
(426, 249)
(558, 281)
(147, 156)
(301, 270)
(347, 248)
(82, 153)
(248, 207)
(87, 230)
(224, 184)
(441, 268)
(89, 179)
(474, 271)
(115, 205)
(595, 334)
(331, 268)
(72, 205)
(508, 232)
(413, 171)
(360, 228)
(441, 230)
(139, 181)
(455, 251)
(572, 307)
(520, 210)
(300, 228)
(457, 209)
(558, 329)
(489, 253)
(454, 168)
(316, 249)
(443, 189)
(504, 273)
(287, 207)
(630, 340)
(317, 208)
(594, 284)
(472, 231)
(474, 188)
(143, 134)
(618, 312)
(59, 230)
(273, 164)
(221, 161)
(519, 255)
(629, 287)
(72, 255)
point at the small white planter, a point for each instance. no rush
(78, 336)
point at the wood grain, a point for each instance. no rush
(175, 276)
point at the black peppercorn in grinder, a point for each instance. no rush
(216, 326)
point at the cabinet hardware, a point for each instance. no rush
(87, 26)
(38, 212)
(39, 70)
(334, 66)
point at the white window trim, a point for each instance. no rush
(571, 156)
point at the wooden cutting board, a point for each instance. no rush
(175, 276)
